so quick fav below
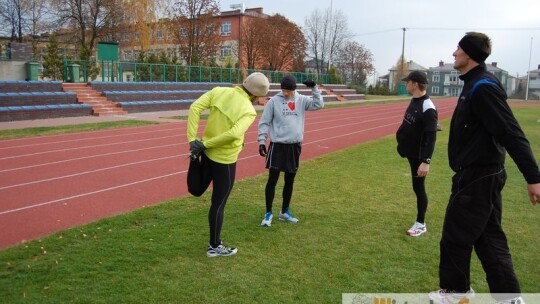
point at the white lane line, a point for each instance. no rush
(87, 147)
(76, 139)
(88, 193)
(87, 157)
(88, 172)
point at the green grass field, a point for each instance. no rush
(354, 206)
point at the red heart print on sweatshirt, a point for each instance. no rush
(291, 105)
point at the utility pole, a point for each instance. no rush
(401, 67)
(403, 52)
(331, 31)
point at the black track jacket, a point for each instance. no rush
(483, 126)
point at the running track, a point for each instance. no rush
(52, 183)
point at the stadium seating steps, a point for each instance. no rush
(28, 100)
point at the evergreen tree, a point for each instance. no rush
(52, 62)
(143, 70)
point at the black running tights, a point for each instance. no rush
(200, 174)
(419, 188)
(270, 191)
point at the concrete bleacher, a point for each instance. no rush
(14, 86)
(28, 100)
(156, 105)
(25, 100)
(154, 96)
(341, 93)
(127, 96)
(44, 111)
(156, 86)
(334, 92)
(36, 98)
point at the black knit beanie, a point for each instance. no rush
(288, 83)
(473, 47)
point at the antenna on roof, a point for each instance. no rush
(239, 6)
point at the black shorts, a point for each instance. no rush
(284, 157)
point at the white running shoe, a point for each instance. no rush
(442, 296)
(417, 229)
(267, 221)
(287, 217)
(220, 250)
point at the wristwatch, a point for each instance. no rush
(426, 160)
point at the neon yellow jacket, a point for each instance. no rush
(231, 114)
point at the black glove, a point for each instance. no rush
(262, 150)
(196, 147)
(309, 83)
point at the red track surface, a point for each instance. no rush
(52, 183)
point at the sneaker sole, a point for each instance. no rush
(211, 255)
(287, 221)
(415, 234)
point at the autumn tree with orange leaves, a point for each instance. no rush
(273, 43)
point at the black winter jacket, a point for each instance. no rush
(417, 134)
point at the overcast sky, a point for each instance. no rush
(433, 27)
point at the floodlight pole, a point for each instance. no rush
(528, 73)
(241, 7)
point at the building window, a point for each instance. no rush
(183, 33)
(210, 30)
(226, 51)
(436, 78)
(159, 35)
(454, 91)
(226, 28)
(435, 90)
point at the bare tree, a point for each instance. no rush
(12, 17)
(91, 19)
(338, 34)
(195, 29)
(355, 62)
(315, 35)
(325, 33)
(38, 12)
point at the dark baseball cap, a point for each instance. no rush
(416, 76)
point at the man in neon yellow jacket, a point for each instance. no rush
(213, 158)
